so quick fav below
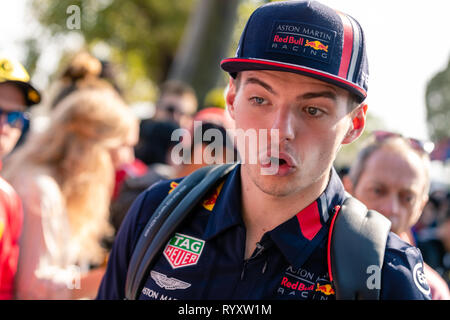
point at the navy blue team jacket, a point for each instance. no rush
(204, 259)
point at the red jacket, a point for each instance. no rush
(11, 218)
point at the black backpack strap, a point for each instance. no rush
(358, 241)
(167, 217)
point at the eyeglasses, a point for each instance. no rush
(15, 119)
(171, 109)
(422, 146)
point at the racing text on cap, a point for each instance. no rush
(302, 40)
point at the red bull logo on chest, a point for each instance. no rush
(173, 185)
(211, 198)
(326, 289)
(183, 250)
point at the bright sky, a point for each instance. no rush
(407, 45)
(406, 41)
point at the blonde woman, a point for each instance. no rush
(65, 177)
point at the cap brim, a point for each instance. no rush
(31, 94)
(235, 65)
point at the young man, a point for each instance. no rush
(174, 109)
(391, 176)
(16, 94)
(300, 70)
(177, 103)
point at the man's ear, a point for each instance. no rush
(417, 213)
(425, 199)
(230, 96)
(358, 124)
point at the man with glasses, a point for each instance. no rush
(175, 108)
(177, 103)
(16, 95)
(391, 176)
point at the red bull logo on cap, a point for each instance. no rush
(301, 39)
(316, 45)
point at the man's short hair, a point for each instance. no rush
(353, 102)
(358, 166)
(179, 89)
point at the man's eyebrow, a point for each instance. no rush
(261, 83)
(309, 95)
(320, 94)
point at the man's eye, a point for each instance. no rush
(377, 191)
(408, 198)
(313, 111)
(257, 100)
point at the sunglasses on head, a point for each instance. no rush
(16, 119)
(422, 146)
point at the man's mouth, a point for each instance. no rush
(282, 165)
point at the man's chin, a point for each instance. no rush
(396, 229)
(277, 192)
(3, 151)
(277, 185)
(5, 148)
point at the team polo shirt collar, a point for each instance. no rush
(227, 210)
(296, 238)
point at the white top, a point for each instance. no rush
(47, 263)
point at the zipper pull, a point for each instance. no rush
(243, 269)
(259, 249)
(264, 267)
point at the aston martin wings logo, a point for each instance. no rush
(168, 283)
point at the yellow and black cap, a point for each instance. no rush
(12, 71)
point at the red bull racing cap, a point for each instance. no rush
(304, 37)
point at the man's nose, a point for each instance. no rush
(392, 206)
(130, 155)
(3, 118)
(3, 121)
(284, 123)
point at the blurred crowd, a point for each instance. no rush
(68, 182)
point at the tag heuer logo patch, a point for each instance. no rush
(183, 250)
(168, 283)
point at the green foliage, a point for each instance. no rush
(205, 44)
(142, 35)
(438, 105)
(348, 153)
(32, 55)
(215, 98)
